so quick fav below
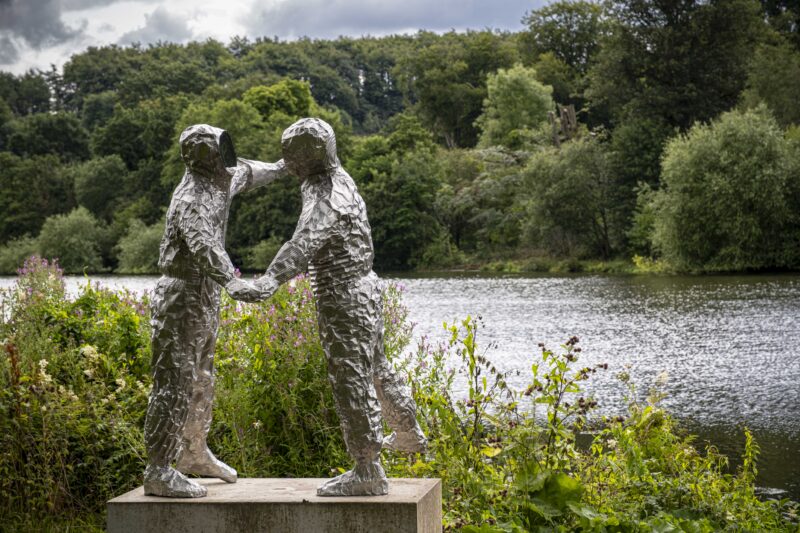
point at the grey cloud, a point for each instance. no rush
(331, 18)
(37, 22)
(75, 5)
(8, 51)
(160, 25)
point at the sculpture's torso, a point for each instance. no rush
(346, 253)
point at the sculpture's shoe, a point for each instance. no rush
(413, 441)
(205, 464)
(166, 481)
(366, 479)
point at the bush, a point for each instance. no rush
(138, 250)
(728, 199)
(14, 253)
(75, 239)
(571, 208)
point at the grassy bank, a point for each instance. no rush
(74, 382)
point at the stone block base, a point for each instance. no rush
(281, 506)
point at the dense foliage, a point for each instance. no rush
(465, 146)
(74, 376)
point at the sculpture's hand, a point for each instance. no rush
(244, 291)
(267, 285)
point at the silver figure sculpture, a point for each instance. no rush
(185, 311)
(333, 242)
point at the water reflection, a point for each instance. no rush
(729, 344)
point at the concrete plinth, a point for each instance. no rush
(281, 505)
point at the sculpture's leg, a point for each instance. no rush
(346, 327)
(173, 364)
(397, 405)
(194, 456)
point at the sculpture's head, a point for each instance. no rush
(309, 148)
(207, 151)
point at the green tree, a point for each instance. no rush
(33, 189)
(98, 70)
(60, 134)
(516, 105)
(75, 239)
(570, 201)
(98, 109)
(398, 176)
(773, 78)
(446, 77)
(137, 251)
(570, 30)
(291, 97)
(25, 94)
(141, 132)
(99, 185)
(676, 62)
(729, 196)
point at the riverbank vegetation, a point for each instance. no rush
(628, 136)
(75, 382)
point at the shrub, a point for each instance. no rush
(138, 250)
(75, 239)
(14, 253)
(728, 199)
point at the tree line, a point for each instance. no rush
(666, 132)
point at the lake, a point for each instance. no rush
(729, 345)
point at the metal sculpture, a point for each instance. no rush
(334, 243)
(185, 310)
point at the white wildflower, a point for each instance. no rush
(662, 378)
(120, 383)
(90, 352)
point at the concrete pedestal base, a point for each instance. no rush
(281, 505)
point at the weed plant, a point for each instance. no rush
(75, 378)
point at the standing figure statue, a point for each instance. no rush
(333, 242)
(185, 311)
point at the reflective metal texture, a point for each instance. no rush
(333, 242)
(185, 310)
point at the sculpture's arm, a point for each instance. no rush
(251, 175)
(202, 240)
(314, 228)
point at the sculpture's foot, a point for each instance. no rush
(366, 479)
(205, 464)
(166, 481)
(413, 441)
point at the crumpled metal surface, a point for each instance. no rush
(333, 242)
(185, 310)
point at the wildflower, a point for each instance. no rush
(120, 383)
(89, 373)
(90, 352)
(662, 378)
(257, 424)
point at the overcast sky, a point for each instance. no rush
(36, 33)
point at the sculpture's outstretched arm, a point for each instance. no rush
(251, 175)
(315, 227)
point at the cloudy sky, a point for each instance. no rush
(36, 33)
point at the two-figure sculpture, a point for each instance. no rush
(333, 243)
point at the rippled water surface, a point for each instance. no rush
(729, 345)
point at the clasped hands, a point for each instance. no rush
(252, 291)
